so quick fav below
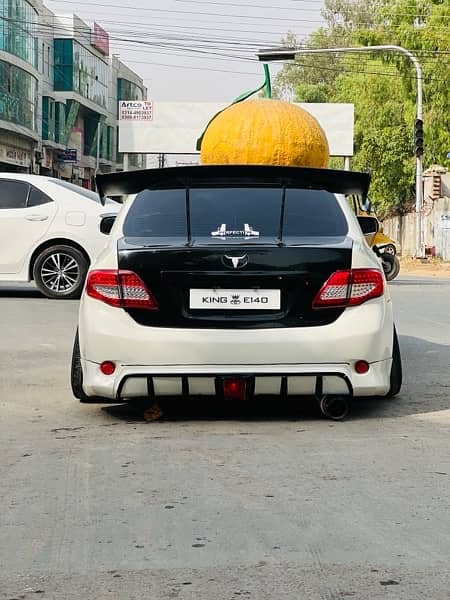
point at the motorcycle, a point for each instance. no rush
(384, 248)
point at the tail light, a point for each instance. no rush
(350, 288)
(123, 289)
(234, 389)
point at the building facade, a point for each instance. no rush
(59, 91)
(19, 85)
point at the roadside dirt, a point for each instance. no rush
(425, 268)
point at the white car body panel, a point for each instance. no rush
(71, 218)
(363, 332)
(19, 228)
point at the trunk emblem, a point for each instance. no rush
(237, 262)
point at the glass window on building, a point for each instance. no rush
(18, 96)
(79, 70)
(48, 119)
(60, 122)
(127, 90)
(63, 65)
(111, 143)
(18, 30)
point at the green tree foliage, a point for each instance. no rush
(382, 86)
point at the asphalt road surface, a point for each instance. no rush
(263, 502)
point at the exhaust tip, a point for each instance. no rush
(335, 407)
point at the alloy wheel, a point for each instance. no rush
(60, 272)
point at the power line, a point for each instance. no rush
(354, 71)
(396, 14)
(189, 12)
(393, 15)
(265, 7)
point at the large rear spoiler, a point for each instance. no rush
(133, 182)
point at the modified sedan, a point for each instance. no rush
(236, 282)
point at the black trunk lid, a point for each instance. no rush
(298, 271)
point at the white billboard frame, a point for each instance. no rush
(176, 126)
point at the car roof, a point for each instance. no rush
(25, 177)
(42, 182)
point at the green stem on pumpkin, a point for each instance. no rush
(267, 82)
(266, 86)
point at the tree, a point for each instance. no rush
(382, 87)
(382, 134)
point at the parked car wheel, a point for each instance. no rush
(76, 376)
(396, 369)
(60, 271)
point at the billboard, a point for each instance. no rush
(100, 39)
(174, 127)
(68, 156)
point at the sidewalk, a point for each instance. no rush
(431, 267)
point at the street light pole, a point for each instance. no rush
(291, 53)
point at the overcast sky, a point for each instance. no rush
(195, 49)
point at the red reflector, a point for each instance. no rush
(362, 367)
(235, 389)
(350, 288)
(123, 289)
(107, 367)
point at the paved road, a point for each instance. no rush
(275, 504)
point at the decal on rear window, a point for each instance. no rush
(223, 232)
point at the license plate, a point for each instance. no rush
(235, 299)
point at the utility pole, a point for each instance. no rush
(291, 53)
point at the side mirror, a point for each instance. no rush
(369, 225)
(106, 223)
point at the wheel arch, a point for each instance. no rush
(60, 241)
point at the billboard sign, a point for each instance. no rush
(174, 127)
(100, 39)
(136, 110)
(68, 156)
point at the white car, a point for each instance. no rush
(49, 232)
(236, 281)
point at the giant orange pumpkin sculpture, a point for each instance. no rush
(263, 131)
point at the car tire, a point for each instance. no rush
(396, 377)
(391, 266)
(59, 272)
(76, 377)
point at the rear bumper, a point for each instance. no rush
(286, 380)
(266, 355)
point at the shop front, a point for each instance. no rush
(15, 160)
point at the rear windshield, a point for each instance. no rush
(255, 213)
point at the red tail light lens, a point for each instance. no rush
(234, 389)
(350, 288)
(123, 289)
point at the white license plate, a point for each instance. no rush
(235, 299)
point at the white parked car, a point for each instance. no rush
(49, 232)
(237, 281)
